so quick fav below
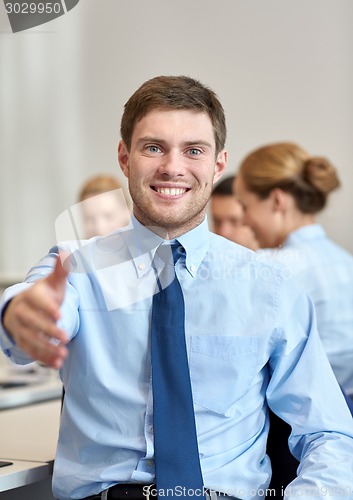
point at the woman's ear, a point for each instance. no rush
(279, 199)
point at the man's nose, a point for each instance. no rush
(172, 164)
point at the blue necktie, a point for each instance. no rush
(176, 454)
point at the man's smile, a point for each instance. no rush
(170, 190)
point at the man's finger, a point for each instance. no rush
(41, 348)
(38, 322)
(57, 279)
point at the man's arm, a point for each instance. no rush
(30, 318)
(304, 392)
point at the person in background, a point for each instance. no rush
(248, 334)
(103, 205)
(227, 215)
(282, 188)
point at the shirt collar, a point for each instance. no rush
(196, 243)
(143, 243)
(306, 233)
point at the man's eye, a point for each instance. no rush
(194, 151)
(153, 149)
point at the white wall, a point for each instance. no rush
(283, 70)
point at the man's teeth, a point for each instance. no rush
(171, 191)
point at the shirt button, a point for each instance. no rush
(193, 268)
(141, 267)
(150, 462)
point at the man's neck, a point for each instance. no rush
(170, 232)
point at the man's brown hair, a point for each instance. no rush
(173, 92)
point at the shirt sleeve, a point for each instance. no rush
(304, 392)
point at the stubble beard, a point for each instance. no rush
(168, 221)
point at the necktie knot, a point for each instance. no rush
(170, 253)
(177, 251)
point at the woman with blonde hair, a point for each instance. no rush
(103, 205)
(282, 188)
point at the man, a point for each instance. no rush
(251, 336)
(227, 215)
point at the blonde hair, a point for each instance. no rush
(285, 165)
(97, 185)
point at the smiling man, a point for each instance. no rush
(123, 324)
(171, 168)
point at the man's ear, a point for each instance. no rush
(221, 163)
(279, 199)
(123, 158)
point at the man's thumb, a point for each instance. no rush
(57, 279)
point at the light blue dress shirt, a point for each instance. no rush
(251, 337)
(325, 270)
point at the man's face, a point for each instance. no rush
(171, 168)
(227, 216)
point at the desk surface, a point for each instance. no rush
(23, 473)
(28, 437)
(24, 385)
(30, 394)
(30, 432)
(30, 405)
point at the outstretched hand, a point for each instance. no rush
(31, 318)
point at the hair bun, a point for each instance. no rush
(321, 174)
